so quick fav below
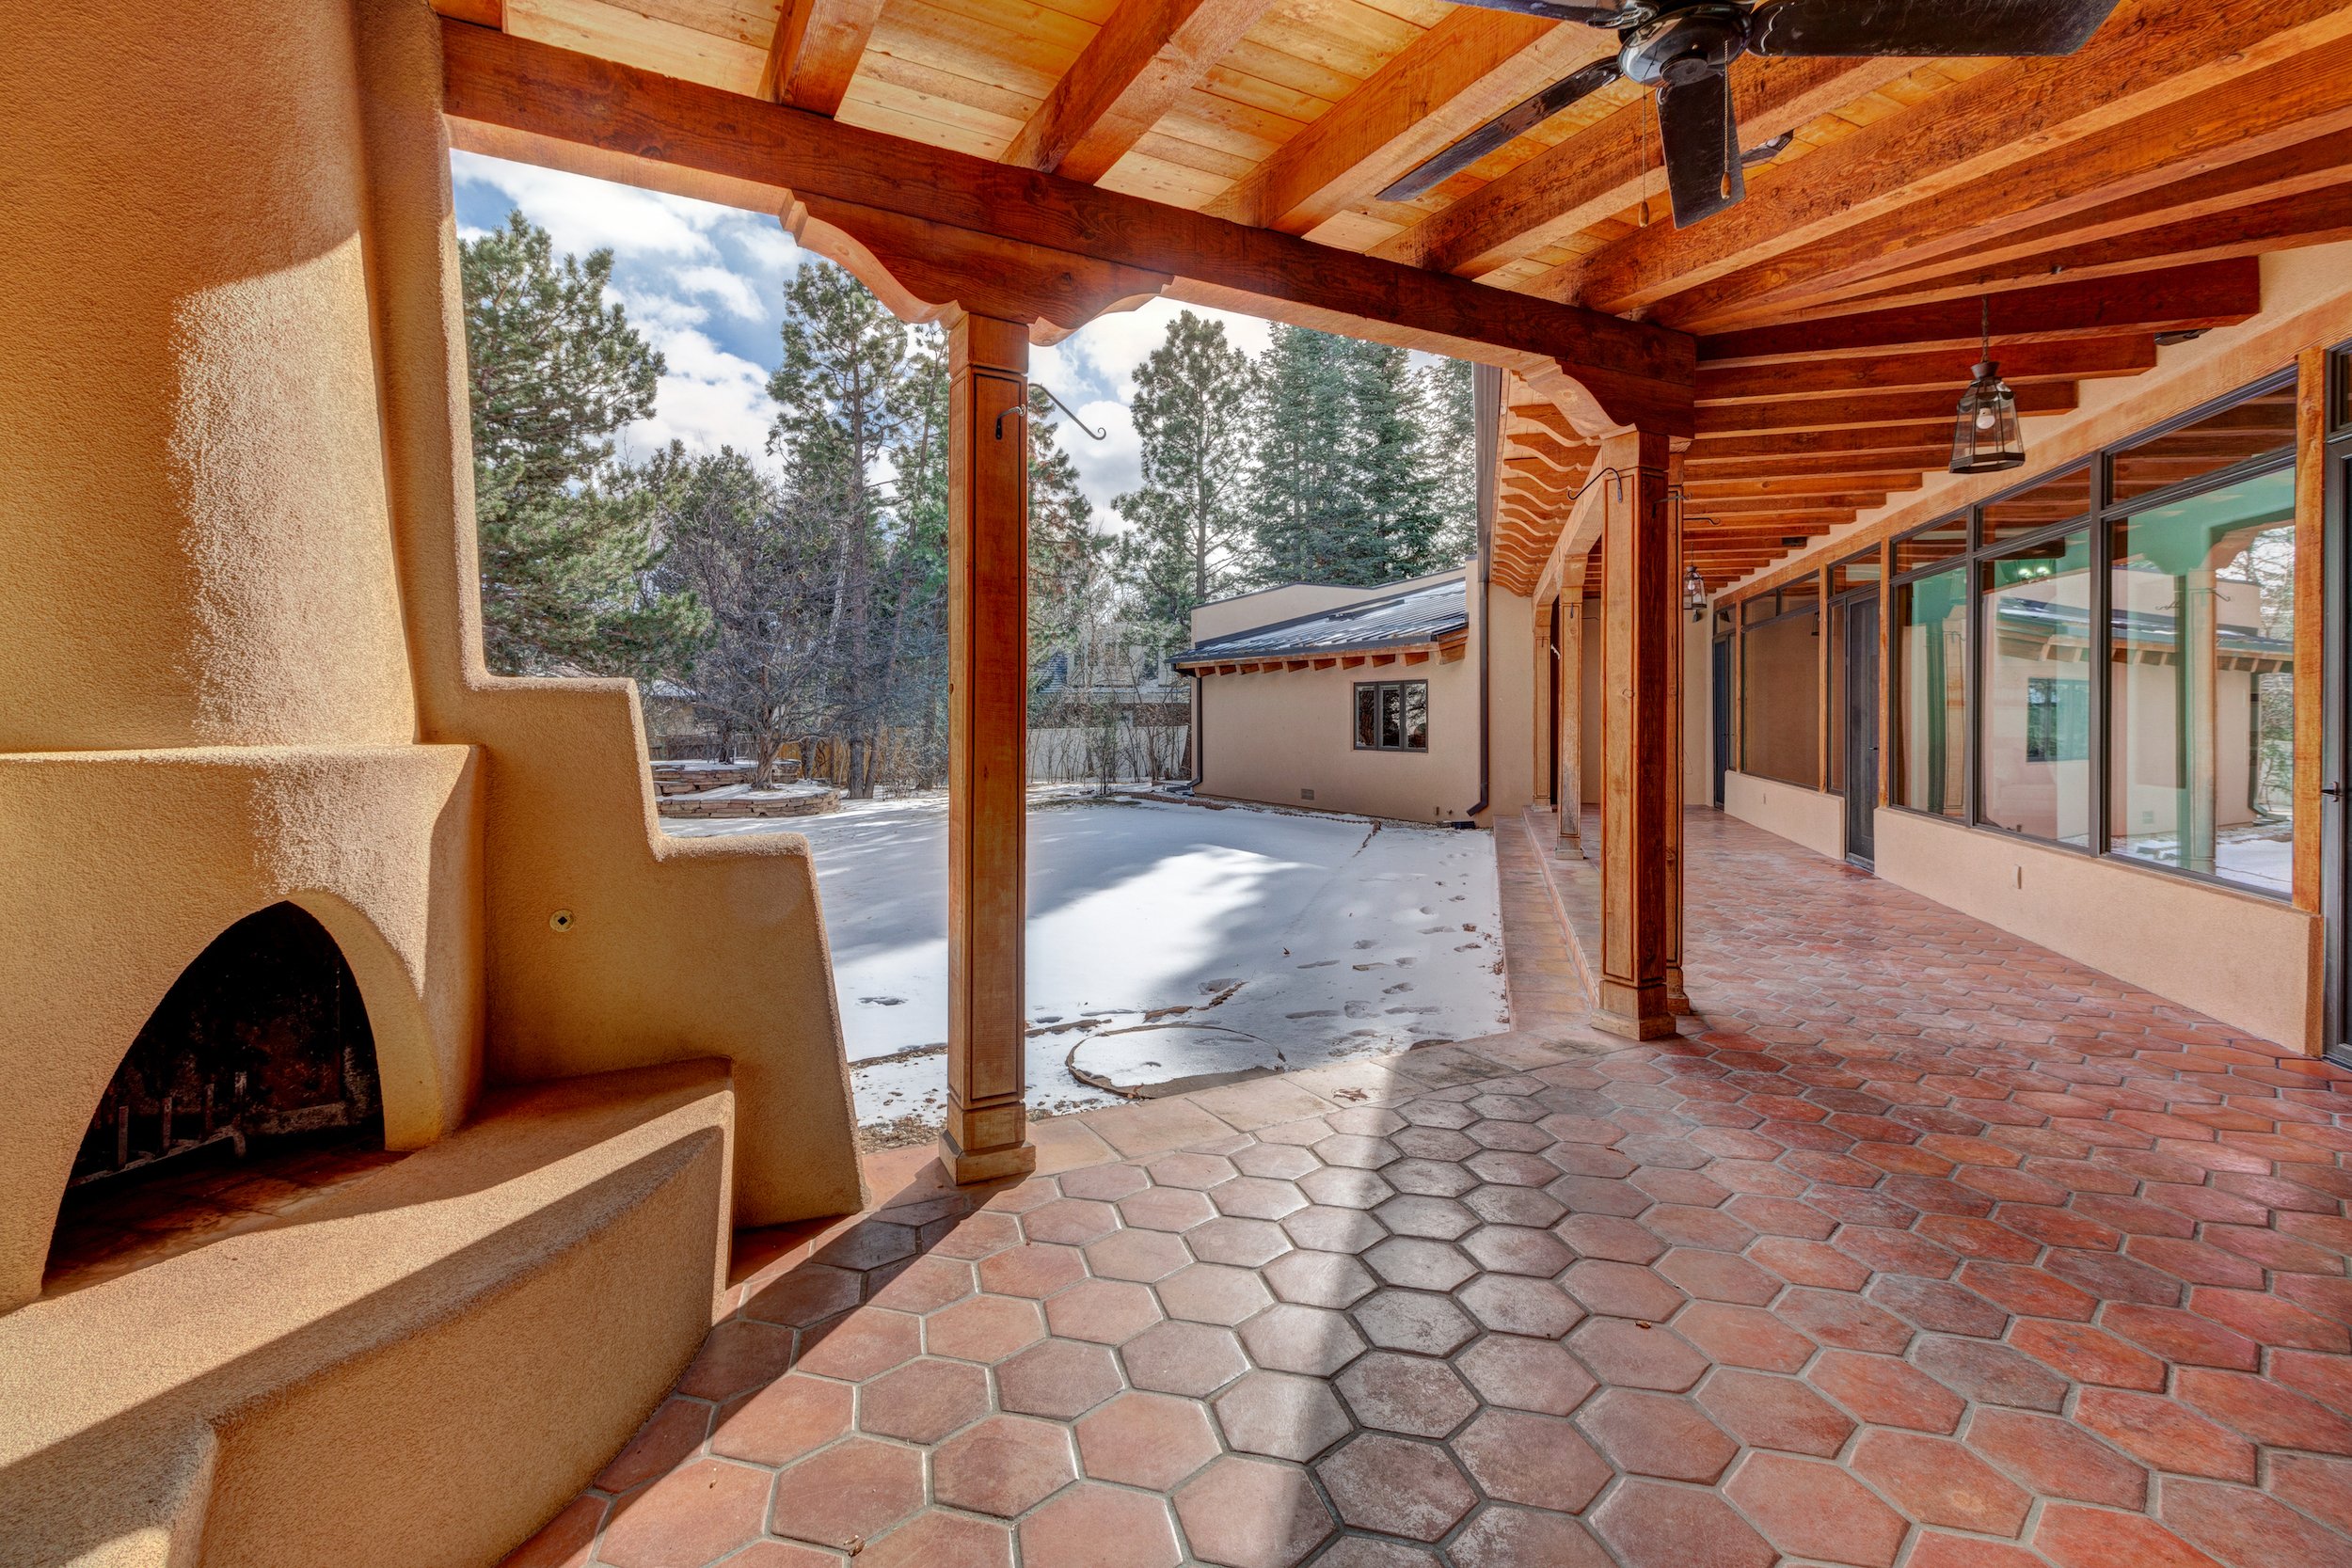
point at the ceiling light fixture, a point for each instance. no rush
(1694, 593)
(1985, 439)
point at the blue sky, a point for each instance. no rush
(705, 285)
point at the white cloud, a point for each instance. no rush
(583, 215)
(732, 290)
(707, 399)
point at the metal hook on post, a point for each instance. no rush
(1021, 410)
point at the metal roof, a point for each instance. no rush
(1425, 614)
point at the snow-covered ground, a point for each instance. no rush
(1166, 942)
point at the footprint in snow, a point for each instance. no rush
(882, 1001)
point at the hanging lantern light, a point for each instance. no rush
(1694, 593)
(1985, 439)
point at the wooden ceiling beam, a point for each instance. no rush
(1605, 168)
(816, 52)
(1867, 410)
(2266, 136)
(1147, 56)
(2150, 56)
(1469, 68)
(2177, 299)
(1935, 369)
(1035, 246)
(2284, 223)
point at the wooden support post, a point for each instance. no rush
(2310, 620)
(1640, 602)
(1678, 999)
(1884, 716)
(1570, 719)
(988, 614)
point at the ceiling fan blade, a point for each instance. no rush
(1925, 27)
(1765, 151)
(1505, 127)
(1701, 142)
(1592, 16)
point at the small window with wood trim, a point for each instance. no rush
(1392, 716)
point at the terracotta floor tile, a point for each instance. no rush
(1887, 1392)
(1414, 1395)
(1774, 1413)
(2058, 1457)
(1090, 1525)
(1106, 1311)
(1505, 1537)
(1252, 1513)
(1060, 1378)
(1525, 1374)
(1745, 1337)
(567, 1540)
(1938, 1481)
(1416, 1320)
(1396, 1486)
(1294, 1338)
(2073, 1536)
(1652, 1524)
(1624, 1353)
(793, 1415)
(848, 1493)
(1004, 1467)
(983, 1328)
(690, 1517)
(863, 1344)
(2242, 1526)
(1810, 1507)
(1151, 1440)
(1213, 1293)
(923, 1401)
(1182, 1359)
(1282, 1416)
(670, 1436)
(2166, 1434)
(1657, 1434)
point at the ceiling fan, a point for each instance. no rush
(1684, 48)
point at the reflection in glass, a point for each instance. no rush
(1368, 716)
(1780, 680)
(1936, 542)
(2261, 424)
(2202, 692)
(2053, 500)
(1417, 715)
(1855, 571)
(1392, 717)
(2037, 691)
(1931, 692)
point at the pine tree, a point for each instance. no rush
(1452, 444)
(1394, 470)
(1186, 525)
(1066, 555)
(1304, 520)
(566, 540)
(838, 392)
(760, 568)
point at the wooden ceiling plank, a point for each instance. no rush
(1831, 466)
(1608, 166)
(518, 99)
(1741, 508)
(1470, 67)
(2265, 135)
(1869, 410)
(2189, 298)
(816, 52)
(1149, 54)
(1784, 485)
(2064, 360)
(1817, 443)
(2150, 55)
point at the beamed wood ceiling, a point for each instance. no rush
(2097, 201)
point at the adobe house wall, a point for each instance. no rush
(243, 665)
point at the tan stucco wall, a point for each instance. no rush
(413, 1372)
(1808, 816)
(2247, 961)
(1515, 768)
(1699, 713)
(1268, 737)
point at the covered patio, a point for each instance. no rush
(1922, 1245)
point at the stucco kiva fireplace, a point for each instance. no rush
(242, 693)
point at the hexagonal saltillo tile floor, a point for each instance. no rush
(1923, 1246)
